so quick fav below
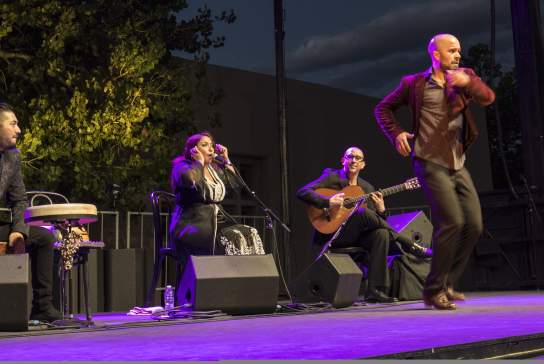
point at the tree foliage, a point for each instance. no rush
(100, 96)
(504, 84)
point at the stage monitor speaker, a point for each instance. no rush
(14, 301)
(334, 278)
(234, 284)
(414, 226)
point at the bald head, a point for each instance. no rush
(440, 41)
(354, 151)
(445, 51)
(353, 160)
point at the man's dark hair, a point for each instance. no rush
(5, 107)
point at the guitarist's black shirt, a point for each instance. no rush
(334, 179)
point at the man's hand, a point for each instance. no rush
(377, 198)
(402, 145)
(457, 78)
(16, 243)
(336, 200)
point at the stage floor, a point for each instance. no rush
(352, 333)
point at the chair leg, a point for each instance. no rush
(63, 291)
(86, 290)
(153, 286)
(179, 271)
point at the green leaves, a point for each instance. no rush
(100, 98)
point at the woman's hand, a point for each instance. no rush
(197, 155)
(223, 152)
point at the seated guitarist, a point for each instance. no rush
(366, 227)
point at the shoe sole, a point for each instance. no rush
(451, 307)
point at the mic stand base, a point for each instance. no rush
(73, 323)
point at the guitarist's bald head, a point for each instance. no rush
(353, 161)
(355, 152)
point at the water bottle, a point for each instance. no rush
(168, 298)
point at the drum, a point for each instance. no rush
(73, 213)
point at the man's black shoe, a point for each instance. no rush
(377, 296)
(49, 314)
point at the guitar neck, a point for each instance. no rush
(385, 192)
(393, 189)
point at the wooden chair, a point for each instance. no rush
(162, 204)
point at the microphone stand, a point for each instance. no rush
(337, 233)
(533, 212)
(269, 216)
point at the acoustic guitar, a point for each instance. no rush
(327, 221)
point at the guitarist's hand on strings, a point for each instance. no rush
(336, 200)
(377, 198)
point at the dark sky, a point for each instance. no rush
(363, 46)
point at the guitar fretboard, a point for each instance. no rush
(393, 189)
(385, 192)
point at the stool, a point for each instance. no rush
(352, 251)
(81, 258)
(348, 250)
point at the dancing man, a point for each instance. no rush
(443, 128)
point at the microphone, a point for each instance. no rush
(526, 183)
(221, 160)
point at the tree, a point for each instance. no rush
(99, 93)
(479, 58)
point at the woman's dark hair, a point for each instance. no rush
(190, 143)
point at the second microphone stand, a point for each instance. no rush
(269, 216)
(534, 221)
(328, 244)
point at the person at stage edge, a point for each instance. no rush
(366, 227)
(20, 237)
(199, 181)
(443, 129)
